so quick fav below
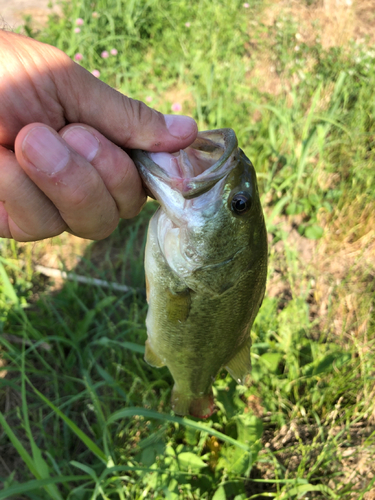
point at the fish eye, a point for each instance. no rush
(241, 203)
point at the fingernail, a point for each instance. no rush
(82, 141)
(180, 126)
(45, 151)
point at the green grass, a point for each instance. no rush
(82, 415)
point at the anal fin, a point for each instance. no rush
(152, 358)
(239, 366)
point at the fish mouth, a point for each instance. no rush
(194, 170)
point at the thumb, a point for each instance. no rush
(127, 122)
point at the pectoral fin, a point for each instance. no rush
(152, 358)
(239, 366)
(178, 306)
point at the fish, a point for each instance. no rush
(205, 265)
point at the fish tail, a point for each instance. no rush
(199, 407)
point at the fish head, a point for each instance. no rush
(209, 198)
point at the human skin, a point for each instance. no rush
(62, 138)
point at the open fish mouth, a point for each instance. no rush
(194, 170)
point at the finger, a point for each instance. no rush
(126, 122)
(68, 180)
(26, 214)
(4, 222)
(114, 166)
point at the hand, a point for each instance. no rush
(61, 133)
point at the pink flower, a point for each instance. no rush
(246, 5)
(113, 52)
(77, 30)
(176, 106)
(148, 98)
(78, 56)
(95, 72)
(95, 14)
(104, 54)
(187, 25)
(79, 21)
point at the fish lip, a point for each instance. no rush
(193, 186)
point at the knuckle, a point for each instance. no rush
(139, 116)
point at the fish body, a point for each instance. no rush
(205, 264)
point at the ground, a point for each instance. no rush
(12, 14)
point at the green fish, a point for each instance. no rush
(205, 264)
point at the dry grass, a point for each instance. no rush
(331, 22)
(334, 22)
(353, 466)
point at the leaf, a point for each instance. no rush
(124, 345)
(169, 495)
(325, 364)
(85, 323)
(235, 461)
(272, 360)
(189, 460)
(301, 489)
(249, 428)
(314, 232)
(277, 209)
(294, 208)
(249, 432)
(191, 436)
(220, 494)
(86, 469)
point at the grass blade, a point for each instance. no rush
(7, 286)
(35, 484)
(131, 412)
(39, 462)
(77, 431)
(19, 447)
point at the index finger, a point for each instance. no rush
(127, 122)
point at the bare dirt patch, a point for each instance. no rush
(333, 23)
(12, 13)
(353, 465)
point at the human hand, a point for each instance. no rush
(61, 133)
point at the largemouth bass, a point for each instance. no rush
(205, 263)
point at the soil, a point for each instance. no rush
(12, 14)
